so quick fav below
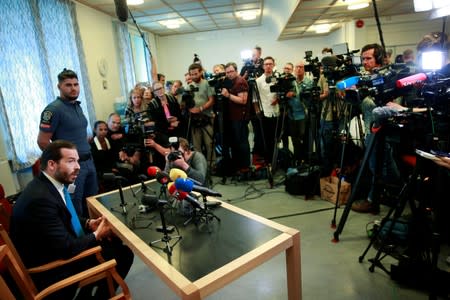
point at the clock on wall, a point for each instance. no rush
(102, 66)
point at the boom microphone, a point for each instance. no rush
(410, 80)
(187, 185)
(121, 10)
(347, 83)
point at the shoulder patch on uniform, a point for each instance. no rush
(46, 116)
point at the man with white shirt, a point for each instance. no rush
(271, 110)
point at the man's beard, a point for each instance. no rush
(64, 177)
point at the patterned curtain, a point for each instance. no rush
(37, 40)
(148, 57)
(126, 66)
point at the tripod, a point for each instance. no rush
(168, 241)
(279, 134)
(376, 139)
(256, 101)
(344, 140)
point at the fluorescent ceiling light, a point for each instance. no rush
(440, 12)
(135, 2)
(247, 14)
(357, 6)
(422, 5)
(322, 28)
(172, 24)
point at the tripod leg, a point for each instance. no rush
(351, 199)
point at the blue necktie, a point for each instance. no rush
(75, 220)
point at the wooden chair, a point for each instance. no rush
(21, 275)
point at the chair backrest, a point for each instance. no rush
(16, 267)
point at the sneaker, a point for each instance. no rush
(365, 207)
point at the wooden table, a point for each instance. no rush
(205, 262)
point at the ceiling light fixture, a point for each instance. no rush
(322, 28)
(247, 14)
(172, 24)
(355, 4)
(135, 2)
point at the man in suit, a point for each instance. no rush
(44, 224)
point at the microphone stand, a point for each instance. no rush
(123, 204)
(168, 241)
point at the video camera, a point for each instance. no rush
(283, 83)
(313, 65)
(254, 70)
(187, 96)
(381, 85)
(136, 134)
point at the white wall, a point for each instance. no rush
(98, 42)
(399, 32)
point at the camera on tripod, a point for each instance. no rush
(283, 83)
(381, 85)
(313, 65)
(136, 134)
(187, 96)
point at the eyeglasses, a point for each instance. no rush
(158, 89)
(268, 64)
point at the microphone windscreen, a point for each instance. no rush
(347, 83)
(171, 188)
(410, 80)
(121, 10)
(162, 177)
(182, 195)
(329, 61)
(184, 185)
(152, 171)
(177, 173)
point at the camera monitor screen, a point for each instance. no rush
(339, 49)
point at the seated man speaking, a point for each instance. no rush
(45, 227)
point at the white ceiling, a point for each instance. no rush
(207, 15)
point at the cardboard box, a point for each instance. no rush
(328, 189)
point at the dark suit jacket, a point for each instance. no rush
(41, 226)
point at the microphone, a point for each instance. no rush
(142, 178)
(178, 173)
(161, 177)
(152, 170)
(113, 177)
(329, 61)
(347, 83)
(410, 80)
(191, 200)
(187, 185)
(121, 10)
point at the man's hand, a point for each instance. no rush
(116, 136)
(443, 161)
(181, 164)
(103, 230)
(225, 93)
(290, 94)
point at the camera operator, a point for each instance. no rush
(236, 133)
(126, 160)
(271, 110)
(297, 112)
(254, 67)
(181, 156)
(202, 117)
